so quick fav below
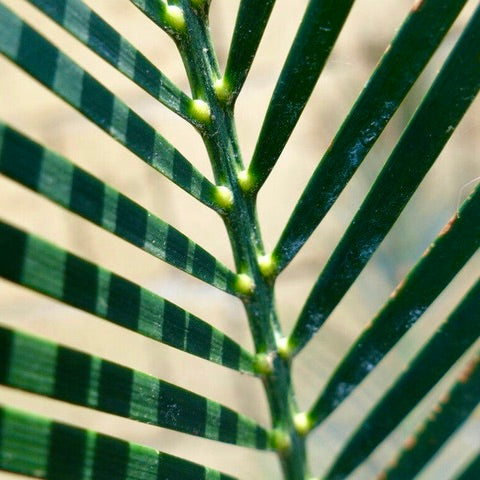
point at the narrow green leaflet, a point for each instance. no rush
(251, 21)
(37, 56)
(58, 179)
(415, 43)
(313, 43)
(39, 447)
(45, 368)
(82, 22)
(446, 417)
(449, 343)
(162, 14)
(445, 104)
(37, 264)
(471, 471)
(458, 241)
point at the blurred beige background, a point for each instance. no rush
(30, 108)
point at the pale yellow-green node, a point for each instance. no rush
(200, 111)
(245, 180)
(284, 348)
(280, 440)
(223, 197)
(266, 265)
(174, 18)
(244, 284)
(263, 364)
(302, 423)
(222, 89)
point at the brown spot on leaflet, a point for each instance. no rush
(445, 398)
(448, 226)
(410, 442)
(398, 288)
(432, 415)
(468, 370)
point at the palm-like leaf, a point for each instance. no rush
(40, 447)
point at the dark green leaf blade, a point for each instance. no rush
(313, 43)
(45, 368)
(251, 21)
(402, 63)
(445, 257)
(445, 104)
(41, 266)
(449, 343)
(446, 417)
(471, 471)
(61, 181)
(39, 447)
(41, 59)
(82, 22)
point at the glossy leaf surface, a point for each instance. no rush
(251, 21)
(453, 338)
(38, 366)
(408, 302)
(81, 21)
(448, 99)
(400, 66)
(34, 263)
(56, 71)
(446, 417)
(39, 447)
(61, 181)
(315, 38)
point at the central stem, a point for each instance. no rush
(245, 237)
